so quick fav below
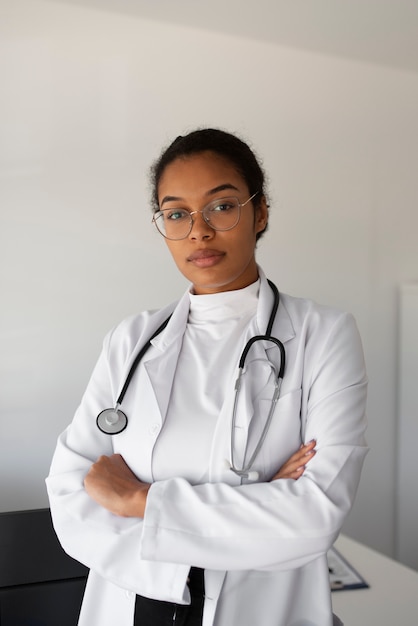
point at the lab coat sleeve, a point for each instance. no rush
(105, 543)
(282, 524)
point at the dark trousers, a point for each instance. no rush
(157, 613)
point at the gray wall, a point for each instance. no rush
(88, 100)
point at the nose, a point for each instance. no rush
(200, 229)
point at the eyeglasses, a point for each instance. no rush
(221, 214)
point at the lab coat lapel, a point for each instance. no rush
(161, 365)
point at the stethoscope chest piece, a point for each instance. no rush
(112, 421)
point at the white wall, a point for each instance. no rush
(88, 99)
(407, 492)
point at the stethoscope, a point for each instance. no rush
(114, 421)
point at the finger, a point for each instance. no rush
(308, 446)
(293, 474)
(301, 457)
(295, 467)
(304, 448)
(305, 453)
(298, 472)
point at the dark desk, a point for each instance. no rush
(40, 585)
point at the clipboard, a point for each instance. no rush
(342, 575)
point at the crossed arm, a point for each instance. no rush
(112, 484)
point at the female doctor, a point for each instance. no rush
(192, 503)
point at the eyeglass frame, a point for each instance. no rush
(157, 214)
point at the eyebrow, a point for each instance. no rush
(211, 192)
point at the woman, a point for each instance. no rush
(171, 529)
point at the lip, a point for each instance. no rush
(205, 257)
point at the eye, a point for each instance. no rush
(174, 215)
(222, 206)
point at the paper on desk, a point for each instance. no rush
(342, 575)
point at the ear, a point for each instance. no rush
(261, 215)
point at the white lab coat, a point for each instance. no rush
(263, 545)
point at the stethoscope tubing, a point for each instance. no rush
(256, 338)
(137, 360)
(114, 421)
(245, 471)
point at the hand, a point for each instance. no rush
(295, 465)
(112, 484)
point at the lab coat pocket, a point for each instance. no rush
(283, 436)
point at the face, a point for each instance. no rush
(213, 261)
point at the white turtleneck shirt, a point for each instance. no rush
(206, 369)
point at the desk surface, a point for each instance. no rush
(393, 594)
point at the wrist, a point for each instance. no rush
(141, 500)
